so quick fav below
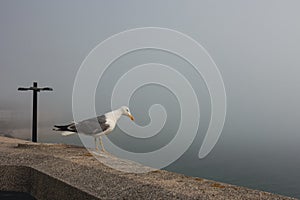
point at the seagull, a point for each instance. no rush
(97, 126)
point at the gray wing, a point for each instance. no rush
(102, 121)
(93, 125)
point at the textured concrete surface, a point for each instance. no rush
(55, 171)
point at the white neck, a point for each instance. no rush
(115, 115)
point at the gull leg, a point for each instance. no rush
(102, 146)
(100, 138)
(96, 147)
(96, 144)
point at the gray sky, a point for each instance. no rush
(254, 43)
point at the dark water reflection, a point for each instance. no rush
(8, 195)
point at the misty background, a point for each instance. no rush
(255, 44)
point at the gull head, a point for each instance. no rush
(125, 111)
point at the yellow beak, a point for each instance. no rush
(131, 117)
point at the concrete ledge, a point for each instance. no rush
(38, 184)
(55, 171)
(15, 178)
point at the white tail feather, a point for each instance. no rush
(66, 133)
